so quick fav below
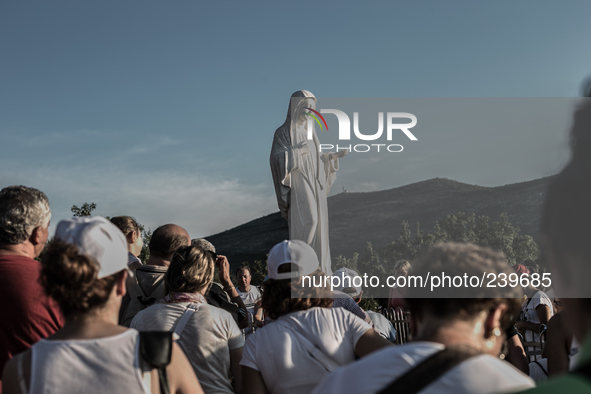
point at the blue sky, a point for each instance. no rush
(166, 110)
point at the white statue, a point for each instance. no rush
(303, 177)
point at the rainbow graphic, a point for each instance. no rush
(316, 119)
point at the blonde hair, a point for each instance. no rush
(191, 270)
(402, 265)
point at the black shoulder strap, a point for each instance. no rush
(542, 368)
(156, 350)
(429, 370)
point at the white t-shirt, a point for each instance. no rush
(250, 299)
(206, 340)
(283, 361)
(529, 312)
(477, 375)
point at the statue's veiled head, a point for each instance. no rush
(298, 103)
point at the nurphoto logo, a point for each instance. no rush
(345, 130)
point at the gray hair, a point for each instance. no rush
(22, 209)
(203, 244)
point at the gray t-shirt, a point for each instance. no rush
(206, 340)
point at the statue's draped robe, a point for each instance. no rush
(302, 178)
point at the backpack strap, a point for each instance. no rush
(327, 362)
(542, 368)
(156, 350)
(180, 326)
(316, 353)
(429, 370)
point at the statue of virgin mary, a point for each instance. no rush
(303, 176)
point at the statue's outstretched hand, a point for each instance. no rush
(341, 153)
(337, 154)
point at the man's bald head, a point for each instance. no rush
(167, 239)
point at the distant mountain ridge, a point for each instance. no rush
(356, 218)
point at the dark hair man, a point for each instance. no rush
(147, 285)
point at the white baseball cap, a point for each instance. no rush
(292, 251)
(98, 238)
(347, 285)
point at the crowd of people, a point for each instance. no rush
(91, 317)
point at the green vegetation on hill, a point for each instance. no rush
(461, 227)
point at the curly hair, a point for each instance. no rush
(191, 269)
(284, 296)
(459, 303)
(21, 210)
(70, 278)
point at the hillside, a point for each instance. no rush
(356, 218)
